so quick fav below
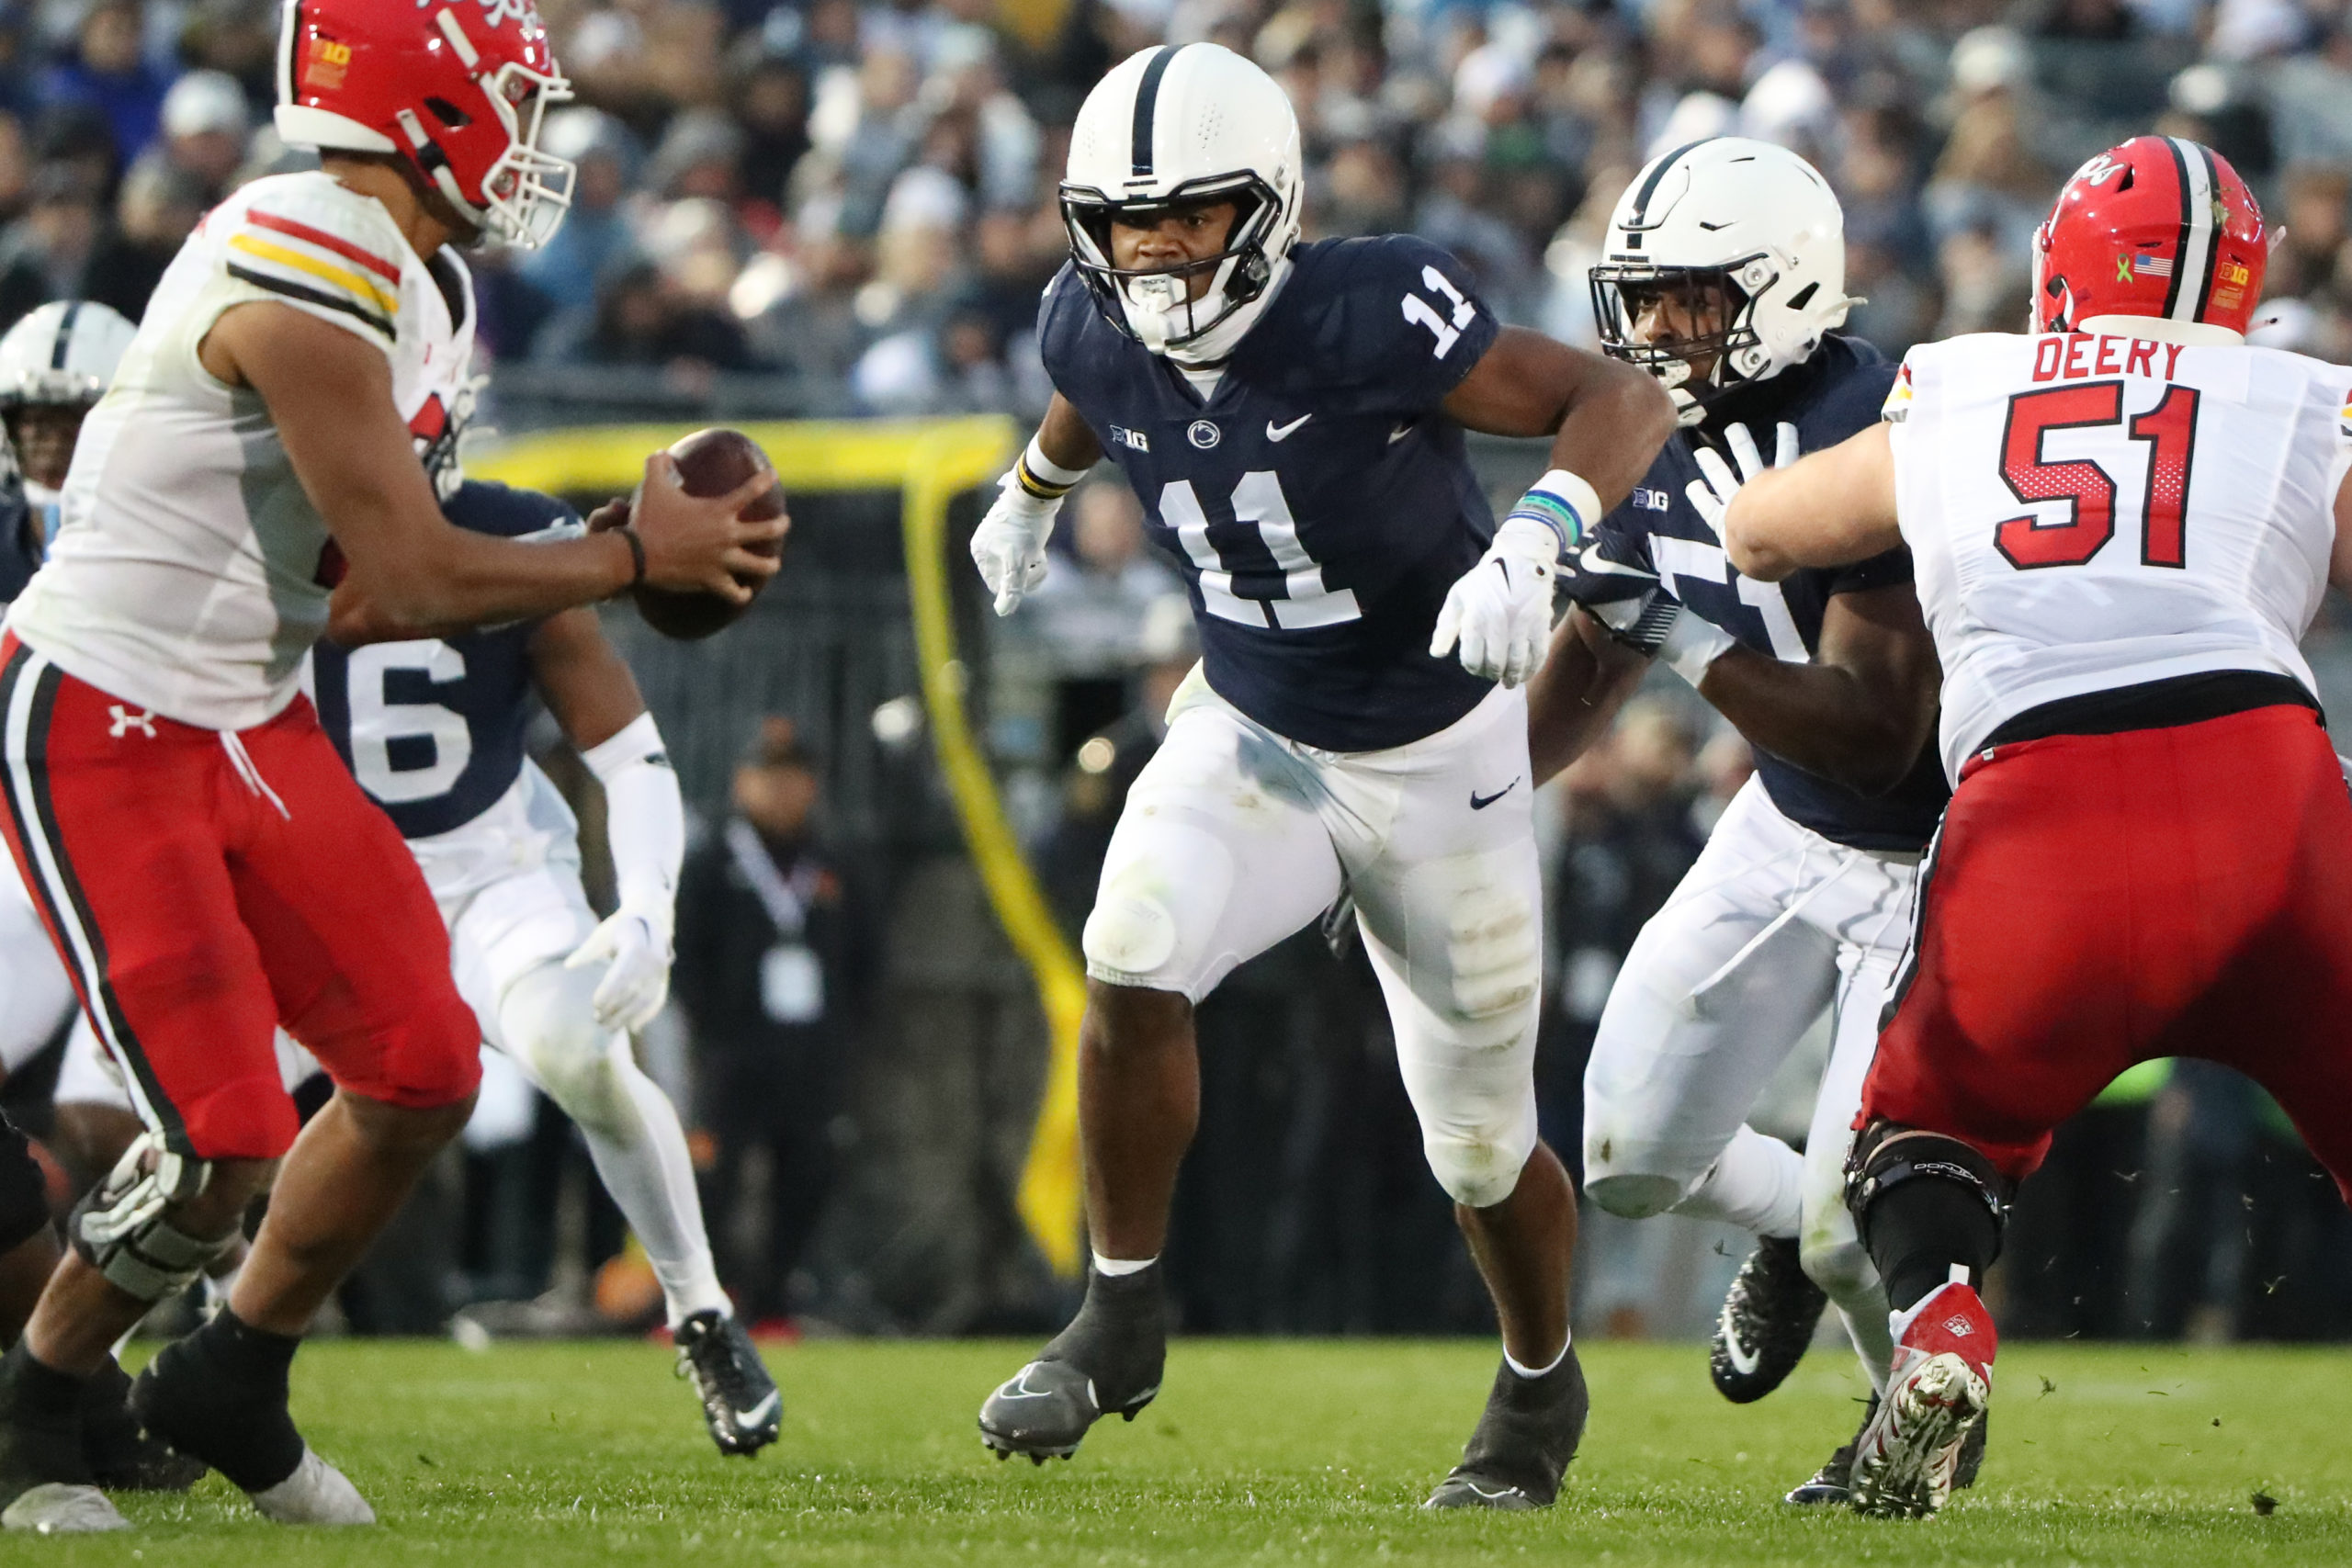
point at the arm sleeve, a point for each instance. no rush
(645, 818)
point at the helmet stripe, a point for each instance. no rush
(64, 343)
(2195, 257)
(1146, 102)
(2212, 245)
(1649, 188)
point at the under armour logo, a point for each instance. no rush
(125, 721)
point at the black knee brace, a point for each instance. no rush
(24, 1190)
(1923, 1203)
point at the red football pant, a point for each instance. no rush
(203, 887)
(2098, 900)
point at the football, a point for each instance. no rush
(712, 462)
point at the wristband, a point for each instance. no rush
(1564, 502)
(636, 554)
(1041, 477)
(639, 740)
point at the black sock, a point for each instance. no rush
(1916, 1230)
(29, 1388)
(248, 1355)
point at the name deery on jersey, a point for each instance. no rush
(1316, 499)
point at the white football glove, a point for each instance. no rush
(1009, 546)
(634, 947)
(1711, 496)
(1500, 611)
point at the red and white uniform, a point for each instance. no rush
(2119, 543)
(2087, 511)
(202, 857)
(190, 574)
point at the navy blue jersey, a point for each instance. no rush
(1318, 502)
(434, 729)
(22, 537)
(1831, 396)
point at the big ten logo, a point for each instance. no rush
(329, 60)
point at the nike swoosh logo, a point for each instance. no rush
(759, 1414)
(1504, 1491)
(1401, 432)
(1480, 803)
(1019, 1387)
(1743, 1361)
(1282, 431)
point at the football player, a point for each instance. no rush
(202, 859)
(55, 362)
(1725, 278)
(433, 730)
(2124, 522)
(1292, 416)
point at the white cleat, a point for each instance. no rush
(56, 1508)
(316, 1494)
(1940, 1384)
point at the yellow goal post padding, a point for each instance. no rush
(929, 462)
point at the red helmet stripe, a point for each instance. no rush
(2194, 260)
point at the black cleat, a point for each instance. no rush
(1523, 1443)
(46, 1485)
(1768, 1321)
(1108, 1360)
(1972, 1453)
(120, 1456)
(1834, 1479)
(740, 1403)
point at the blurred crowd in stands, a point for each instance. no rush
(858, 197)
(852, 205)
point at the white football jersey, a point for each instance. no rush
(190, 572)
(2090, 511)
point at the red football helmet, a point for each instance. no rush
(2159, 226)
(461, 88)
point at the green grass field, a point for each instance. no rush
(1262, 1453)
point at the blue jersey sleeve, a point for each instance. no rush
(1408, 322)
(485, 506)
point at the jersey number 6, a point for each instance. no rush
(2170, 431)
(404, 751)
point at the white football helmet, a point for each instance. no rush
(1745, 228)
(1175, 125)
(62, 355)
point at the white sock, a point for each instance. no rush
(1538, 1371)
(631, 1128)
(1874, 1346)
(1758, 1184)
(1113, 1267)
(651, 1178)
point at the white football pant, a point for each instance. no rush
(1233, 837)
(36, 993)
(508, 941)
(1772, 924)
